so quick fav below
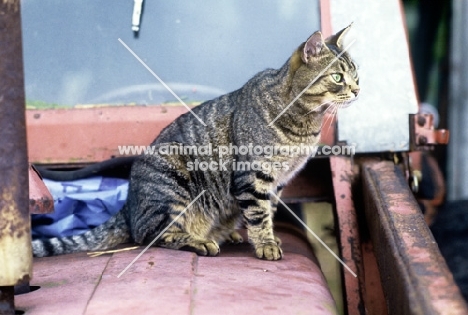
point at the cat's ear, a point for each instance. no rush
(337, 39)
(313, 47)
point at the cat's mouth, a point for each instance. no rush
(345, 102)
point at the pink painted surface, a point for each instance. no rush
(166, 281)
(245, 285)
(160, 282)
(67, 283)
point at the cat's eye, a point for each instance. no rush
(337, 77)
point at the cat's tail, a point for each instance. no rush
(104, 236)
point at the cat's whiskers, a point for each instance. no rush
(332, 111)
(318, 107)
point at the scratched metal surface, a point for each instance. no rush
(378, 121)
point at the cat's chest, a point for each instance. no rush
(295, 157)
(292, 168)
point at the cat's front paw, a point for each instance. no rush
(202, 248)
(269, 251)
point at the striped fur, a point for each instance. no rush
(162, 186)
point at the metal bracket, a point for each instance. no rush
(423, 134)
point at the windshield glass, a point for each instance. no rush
(200, 48)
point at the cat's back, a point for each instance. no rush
(210, 116)
(211, 119)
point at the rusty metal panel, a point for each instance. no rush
(414, 275)
(15, 234)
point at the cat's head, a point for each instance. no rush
(324, 72)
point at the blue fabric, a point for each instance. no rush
(79, 206)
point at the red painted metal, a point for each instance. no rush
(40, 199)
(325, 18)
(374, 299)
(328, 129)
(313, 183)
(86, 135)
(328, 135)
(343, 177)
(415, 164)
(414, 275)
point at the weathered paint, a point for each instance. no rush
(414, 275)
(342, 176)
(87, 135)
(15, 238)
(165, 281)
(40, 199)
(423, 133)
(374, 299)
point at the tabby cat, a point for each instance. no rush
(162, 186)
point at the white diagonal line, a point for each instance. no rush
(159, 235)
(312, 82)
(315, 235)
(161, 81)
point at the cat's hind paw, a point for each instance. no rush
(202, 248)
(269, 251)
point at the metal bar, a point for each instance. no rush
(350, 248)
(374, 298)
(414, 275)
(51, 141)
(325, 18)
(15, 234)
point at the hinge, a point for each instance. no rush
(423, 135)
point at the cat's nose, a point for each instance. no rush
(355, 92)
